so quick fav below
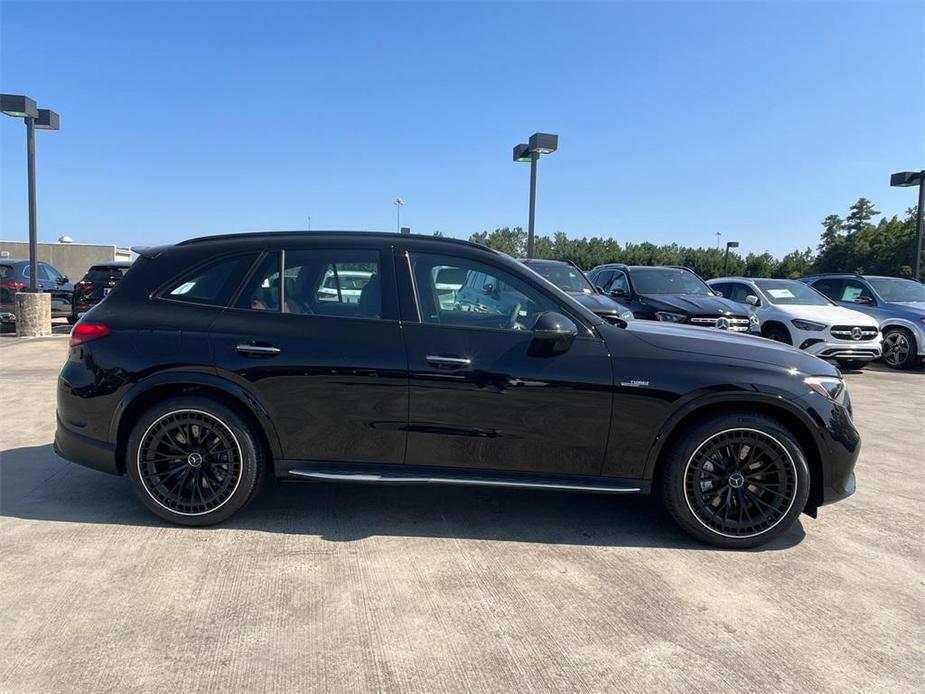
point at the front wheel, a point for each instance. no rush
(899, 349)
(194, 461)
(736, 481)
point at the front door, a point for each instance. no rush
(314, 332)
(480, 395)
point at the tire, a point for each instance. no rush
(194, 461)
(759, 500)
(852, 364)
(778, 334)
(899, 349)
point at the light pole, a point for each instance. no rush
(33, 308)
(905, 179)
(309, 223)
(23, 107)
(718, 234)
(729, 244)
(540, 143)
(398, 203)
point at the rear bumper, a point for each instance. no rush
(83, 450)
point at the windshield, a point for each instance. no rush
(791, 292)
(565, 277)
(895, 289)
(667, 280)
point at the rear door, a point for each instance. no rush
(314, 334)
(480, 396)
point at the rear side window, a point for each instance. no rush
(333, 282)
(831, 288)
(213, 284)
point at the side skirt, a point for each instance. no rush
(400, 474)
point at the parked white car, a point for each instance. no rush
(792, 312)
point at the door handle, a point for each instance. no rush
(257, 350)
(449, 362)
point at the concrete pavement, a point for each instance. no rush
(333, 587)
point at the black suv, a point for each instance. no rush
(15, 278)
(570, 279)
(96, 285)
(220, 360)
(671, 294)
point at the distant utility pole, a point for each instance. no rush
(309, 223)
(718, 234)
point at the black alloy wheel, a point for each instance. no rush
(899, 349)
(740, 482)
(736, 480)
(194, 461)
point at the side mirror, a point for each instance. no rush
(618, 291)
(63, 280)
(554, 332)
(752, 300)
(600, 289)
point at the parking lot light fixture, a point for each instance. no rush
(906, 179)
(19, 106)
(729, 244)
(539, 143)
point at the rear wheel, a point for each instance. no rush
(736, 481)
(194, 461)
(899, 349)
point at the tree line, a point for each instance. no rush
(854, 243)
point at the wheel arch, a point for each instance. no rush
(145, 395)
(778, 324)
(793, 420)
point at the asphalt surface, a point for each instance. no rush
(335, 587)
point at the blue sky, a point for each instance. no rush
(675, 120)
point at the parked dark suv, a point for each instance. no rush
(673, 295)
(570, 279)
(96, 285)
(219, 360)
(15, 277)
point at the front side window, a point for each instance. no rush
(488, 297)
(212, 284)
(831, 288)
(619, 283)
(50, 273)
(855, 290)
(333, 282)
(738, 292)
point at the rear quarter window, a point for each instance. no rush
(213, 284)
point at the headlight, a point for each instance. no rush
(808, 325)
(827, 386)
(670, 317)
(753, 320)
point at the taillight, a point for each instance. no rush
(84, 332)
(15, 286)
(80, 286)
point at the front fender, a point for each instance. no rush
(747, 399)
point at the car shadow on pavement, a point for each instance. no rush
(35, 484)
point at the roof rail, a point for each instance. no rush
(325, 232)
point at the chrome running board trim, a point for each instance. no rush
(391, 478)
